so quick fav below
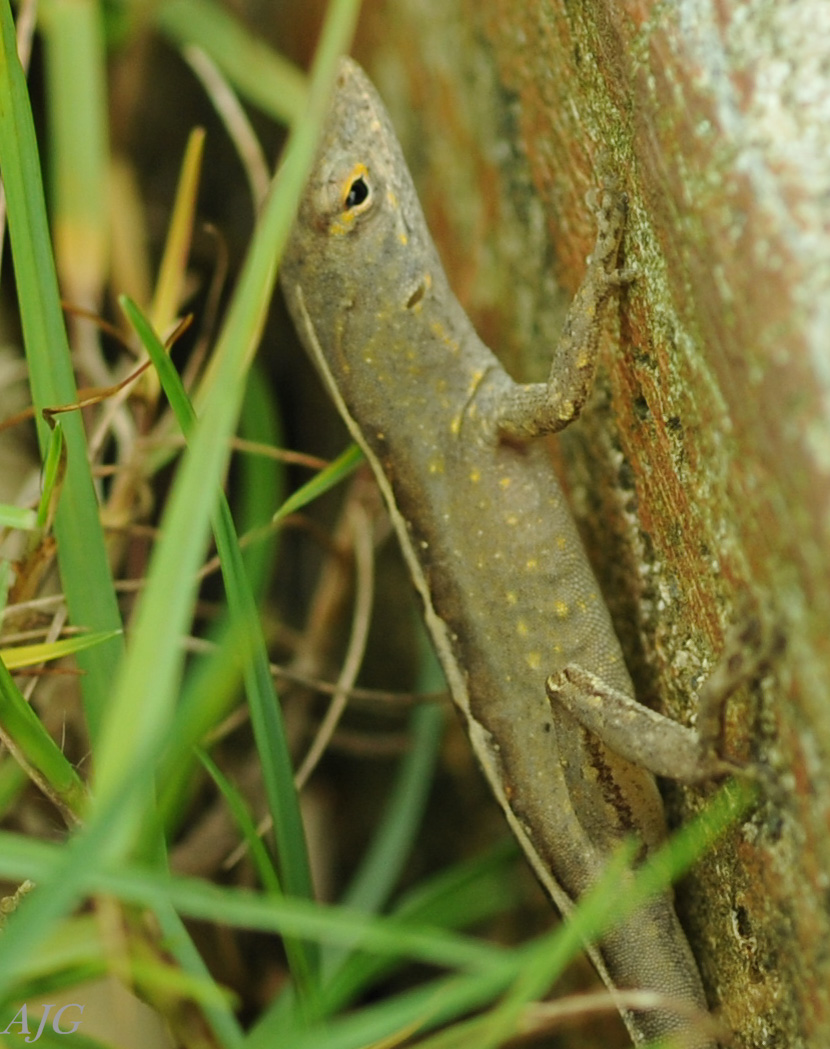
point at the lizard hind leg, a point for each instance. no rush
(654, 741)
(632, 730)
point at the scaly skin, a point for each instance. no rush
(508, 593)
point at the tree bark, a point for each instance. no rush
(700, 472)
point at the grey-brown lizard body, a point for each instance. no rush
(509, 595)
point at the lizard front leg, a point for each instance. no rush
(534, 409)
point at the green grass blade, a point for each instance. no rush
(392, 1020)
(62, 879)
(469, 893)
(262, 699)
(392, 842)
(385, 860)
(13, 780)
(85, 572)
(262, 481)
(22, 857)
(24, 731)
(381, 867)
(260, 75)
(54, 469)
(345, 463)
(31, 655)
(466, 893)
(78, 151)
(18, 517)
(177, 940)
(244, 821)
(210, 690)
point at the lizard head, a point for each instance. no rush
(360, 241)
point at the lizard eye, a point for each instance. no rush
(356, 191)
(347, 199)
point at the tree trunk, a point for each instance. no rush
(700, 472)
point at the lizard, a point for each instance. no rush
(510, 600)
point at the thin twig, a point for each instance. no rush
(364, 593)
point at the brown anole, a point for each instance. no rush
(509, 596)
